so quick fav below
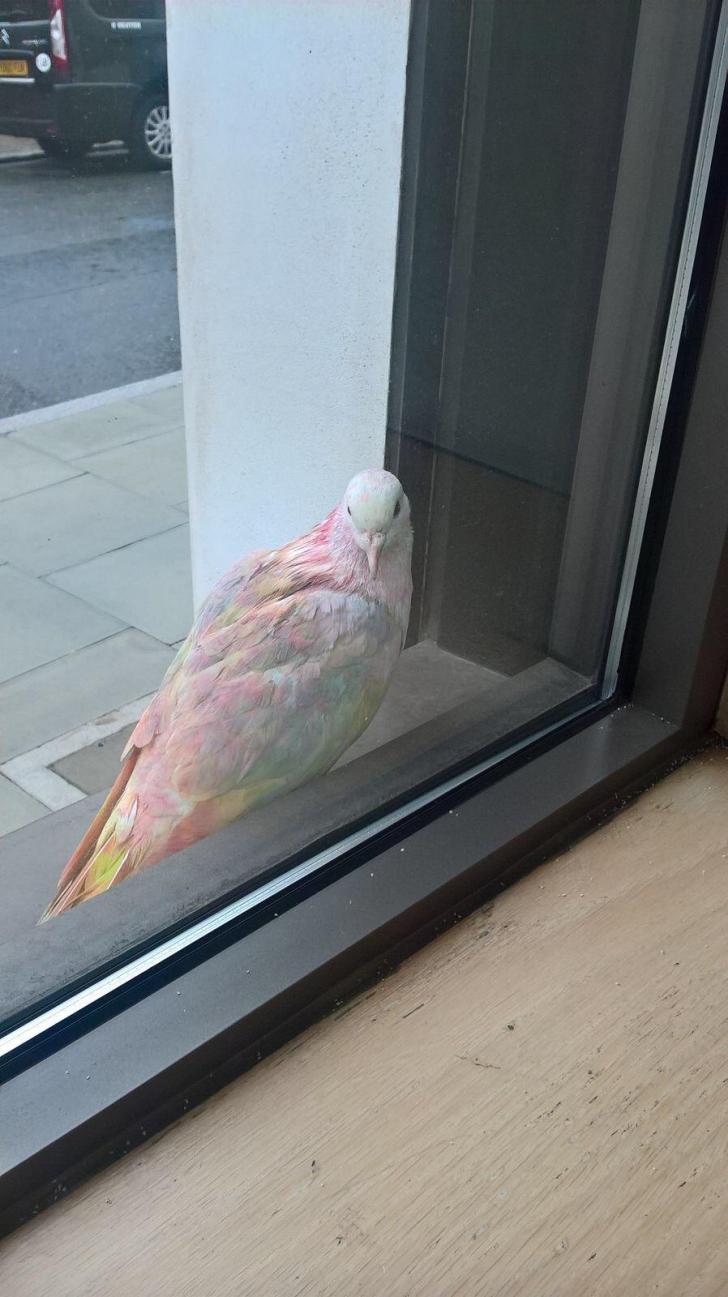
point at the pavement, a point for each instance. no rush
(95, 594)
(14, 149)
(89, 280)
(95, 587)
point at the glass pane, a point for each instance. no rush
(540, 245)
(544, 181)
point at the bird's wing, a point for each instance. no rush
(276, 696)
(277, 677)
(226, 603)
(253, 709)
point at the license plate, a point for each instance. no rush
(13, 67)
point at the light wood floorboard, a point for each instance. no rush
(535, 1105)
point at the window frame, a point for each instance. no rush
(123, 1070)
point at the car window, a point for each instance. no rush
(129, 8)
(18, 11)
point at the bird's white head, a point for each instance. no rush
(378, 513)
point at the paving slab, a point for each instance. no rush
(13, 148)
(155, 467)
(61, 525)
(40, 623)
(93, 769)
(42, 704)
(147, 585)
(24, 469)
(17, 808)
(166, 405)
(93, 430)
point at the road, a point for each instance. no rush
(88, 274)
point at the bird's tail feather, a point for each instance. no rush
(97, 851)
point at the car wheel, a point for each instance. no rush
(150, 142)
(63, 150)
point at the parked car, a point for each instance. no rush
(74, 73)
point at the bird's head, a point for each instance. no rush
(377, 511)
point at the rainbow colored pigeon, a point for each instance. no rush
(285, 666)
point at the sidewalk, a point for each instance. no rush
(15, 149)
(94, 589)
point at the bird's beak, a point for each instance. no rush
(375, 541)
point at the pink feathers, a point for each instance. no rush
(286, 664)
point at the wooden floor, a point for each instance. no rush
(536, 1104)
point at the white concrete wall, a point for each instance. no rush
(287, 119)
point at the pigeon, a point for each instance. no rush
(286, 664)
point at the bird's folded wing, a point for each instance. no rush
(275, 696)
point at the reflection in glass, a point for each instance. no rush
(541, 218)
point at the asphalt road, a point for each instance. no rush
(88, 276)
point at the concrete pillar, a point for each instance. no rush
(287, 121)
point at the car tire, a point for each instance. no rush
(67, 151)
(150, 140)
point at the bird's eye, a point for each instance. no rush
(397, 508)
